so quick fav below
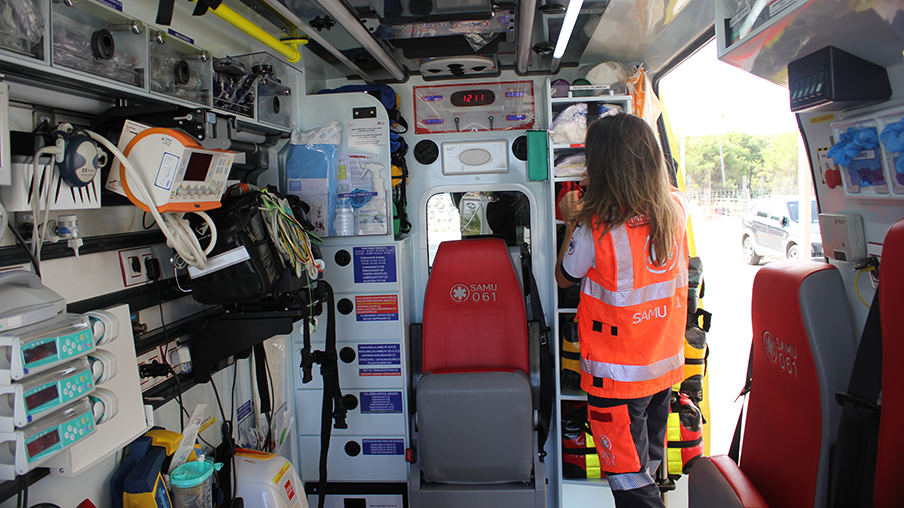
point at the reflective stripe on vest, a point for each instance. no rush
(626, 295)
(632, 373)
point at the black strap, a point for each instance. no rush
(165, 12)
(396, 117)
(202, 6)
(547, 397)
(260, 369)
(332, 409)
(734, 452)
(854, 458)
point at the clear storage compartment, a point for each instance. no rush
(234, 85)
(22, 27)
(273, 81)
(179, 68)
(95, 39)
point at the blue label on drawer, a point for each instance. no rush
(377, 308)
(383, 446)
(180, 36)
(381, 402)
(514, 94)
(433, 121)
(379, 372)
(379, 354)
(375, 264)
(433, 97)
(113, 4)
(515, 118)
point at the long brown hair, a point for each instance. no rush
(626, 177)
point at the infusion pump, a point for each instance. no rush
(178, 174)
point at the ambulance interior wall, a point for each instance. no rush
(878, 215)
(98, 274)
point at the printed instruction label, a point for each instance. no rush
(379, 360)
(381, 402)
(383, 446)
(370, 132)
(377, 308)
(167, 171)
(375, 264)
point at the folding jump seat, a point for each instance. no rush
(475, 385)
(889, 463)
(803, 353)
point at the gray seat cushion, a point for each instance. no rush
(475, 428)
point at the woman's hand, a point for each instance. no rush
(571, 205)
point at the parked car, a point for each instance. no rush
(771, 229)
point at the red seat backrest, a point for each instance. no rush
(783, 435)
(889, 464)
(474, 316)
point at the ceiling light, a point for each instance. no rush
(571, 16)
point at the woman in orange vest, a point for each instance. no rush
(625, 237)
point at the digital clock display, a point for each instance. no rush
(466, 98)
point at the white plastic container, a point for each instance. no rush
(266, 480)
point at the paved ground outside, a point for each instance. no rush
(728, 288)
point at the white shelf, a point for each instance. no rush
(619, 98)
(571, 492)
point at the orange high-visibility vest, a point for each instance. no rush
(632, 315)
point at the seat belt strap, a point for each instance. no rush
(547, 396)
(854, 459)
(734, 452)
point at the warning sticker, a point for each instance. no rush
(381, 402)
(383, 446)
(377, 308)
(375, 264)
(282, 472)
(379, 360)
(290, 491)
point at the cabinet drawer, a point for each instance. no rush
(375, 365)
(365, 458)
(379, 412)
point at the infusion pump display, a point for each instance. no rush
(474, 107)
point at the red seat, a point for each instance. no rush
(803, 352)
(473, 433)
(474, 316)
(889, 464)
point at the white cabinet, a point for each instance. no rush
(572, 491)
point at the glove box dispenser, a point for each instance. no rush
(23, 28)
(92, 38)
(178, 68)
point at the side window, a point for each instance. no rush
(776, 211)
(759, 210)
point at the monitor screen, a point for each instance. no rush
(198, 164)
